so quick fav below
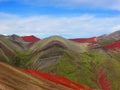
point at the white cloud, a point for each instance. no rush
(7, 16)
(76, 26)
(116, 27)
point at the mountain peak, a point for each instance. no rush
(30, 38)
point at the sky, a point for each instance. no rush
(67, 18)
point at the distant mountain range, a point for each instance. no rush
(114, 35)
(93, 62)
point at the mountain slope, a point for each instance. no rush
(48, 51)
(82, 40)
(90, 64)
(30, 38)
(114, 45)
(23, 81)
(58, 56)
(109, 38)
(8, 49)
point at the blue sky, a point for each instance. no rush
(67, 18)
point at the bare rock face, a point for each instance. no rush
(114, 35)
(109, 38)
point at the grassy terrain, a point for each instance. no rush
(14, 79)
(76, 61)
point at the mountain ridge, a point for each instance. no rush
(86, 63)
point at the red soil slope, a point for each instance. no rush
(113, 45)
(82, 40)
(59, 80)
(103, 81)
(30, 38)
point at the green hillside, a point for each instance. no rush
(84, 63)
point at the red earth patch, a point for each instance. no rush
(59, 80)
(103, 81)
(113, 45)
(82, 40)
(30, 38)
